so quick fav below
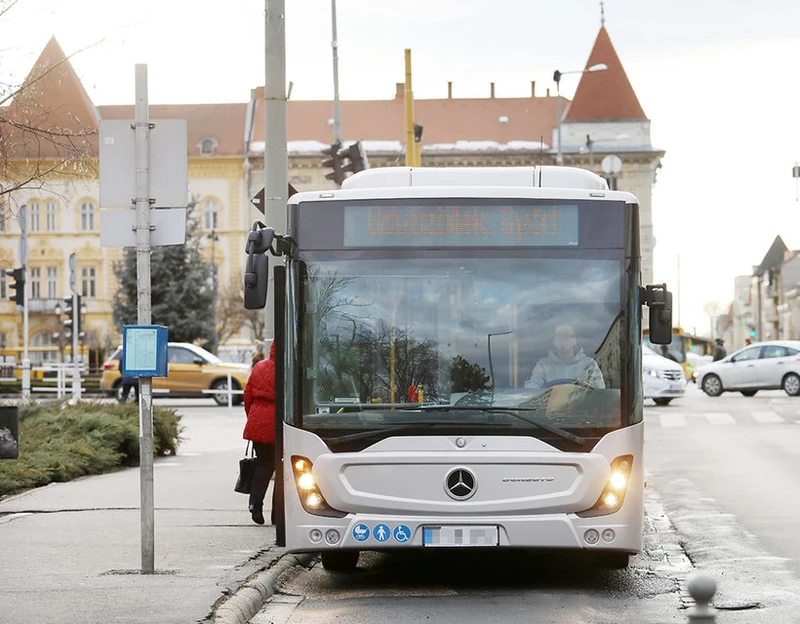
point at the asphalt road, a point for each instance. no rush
(722, 497)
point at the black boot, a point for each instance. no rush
(257, 514)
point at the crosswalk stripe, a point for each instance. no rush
(767, 417)
(719, 418)
(672, 420)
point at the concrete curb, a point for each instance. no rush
(242, 606)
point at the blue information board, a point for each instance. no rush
(144, 351)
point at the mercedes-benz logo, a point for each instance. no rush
(460, 483)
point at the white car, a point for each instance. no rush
(662, 379)
(771, 365)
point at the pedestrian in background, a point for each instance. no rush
(719, 350)
(258, 355)
(259, 405)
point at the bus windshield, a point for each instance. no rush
(529, 333)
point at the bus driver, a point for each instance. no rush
(566, 363)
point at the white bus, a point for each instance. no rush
(460, 362)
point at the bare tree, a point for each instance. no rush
(231, 315)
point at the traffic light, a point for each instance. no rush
(357, 156)
(18, 275)
(334, 162)
(752, 333)
(73, 320)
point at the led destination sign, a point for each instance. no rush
(442, 226)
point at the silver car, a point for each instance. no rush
(771, 365)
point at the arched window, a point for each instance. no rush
(207, 146)
(87, 216)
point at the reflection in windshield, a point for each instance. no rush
(390, 336)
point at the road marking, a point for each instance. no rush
(719, 418)
(672, 420)
(767, 417)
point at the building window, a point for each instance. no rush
(207, 146)
(36, 283)
(52, 282)
(3, 217)
(50, 217)
(210, 215)
(3, 285)
(88, 281)
(87, 216)
(34, 214)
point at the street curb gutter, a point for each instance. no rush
(242, 606)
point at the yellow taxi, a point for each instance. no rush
(191, 373)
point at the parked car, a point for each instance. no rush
(771, 365)
(662, 379)
(190, 371)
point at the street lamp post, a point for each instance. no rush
(557, 78)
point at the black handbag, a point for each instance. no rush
(247, 468)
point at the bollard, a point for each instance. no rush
(702, 589)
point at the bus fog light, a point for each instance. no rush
(315, 535)
(610, 500)
(609, 535)
(332, 536)
(313, 500)
(591, 536)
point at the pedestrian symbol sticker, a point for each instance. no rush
(382, 532)
(402, 533)
(361, 532)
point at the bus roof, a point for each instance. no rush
(536, 177)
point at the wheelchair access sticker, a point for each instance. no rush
(402, 533)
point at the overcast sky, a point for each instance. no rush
(718, 80)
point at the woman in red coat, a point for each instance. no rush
(259, 405)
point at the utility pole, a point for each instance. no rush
(276, 159)
(337, 110)
(142, 201)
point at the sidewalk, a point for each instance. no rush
(70, 552)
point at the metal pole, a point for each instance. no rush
(23, 252)
(337, 110)
(559, 156)
(142, 129)
(411, 149)
(276, 159)
(76, 372)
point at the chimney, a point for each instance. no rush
(533, 88)
(491, 89)
(548, 92)
(400, 93)
(449, 90)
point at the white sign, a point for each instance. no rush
(611, 164)
(168, 167)
(118, 227)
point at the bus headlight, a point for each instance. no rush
(613, 494)
(310, 497)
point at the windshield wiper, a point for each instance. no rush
(406, 427)
(510, 411)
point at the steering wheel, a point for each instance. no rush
(576, 382)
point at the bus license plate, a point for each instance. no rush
(454, 536)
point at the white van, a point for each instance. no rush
(662, 378)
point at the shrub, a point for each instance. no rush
(59, 441)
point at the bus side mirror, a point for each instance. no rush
(255, 282)
(659, 301)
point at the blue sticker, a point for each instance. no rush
(382, 532)
(361, 532)
(402, 533)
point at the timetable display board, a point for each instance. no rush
(144, 351)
